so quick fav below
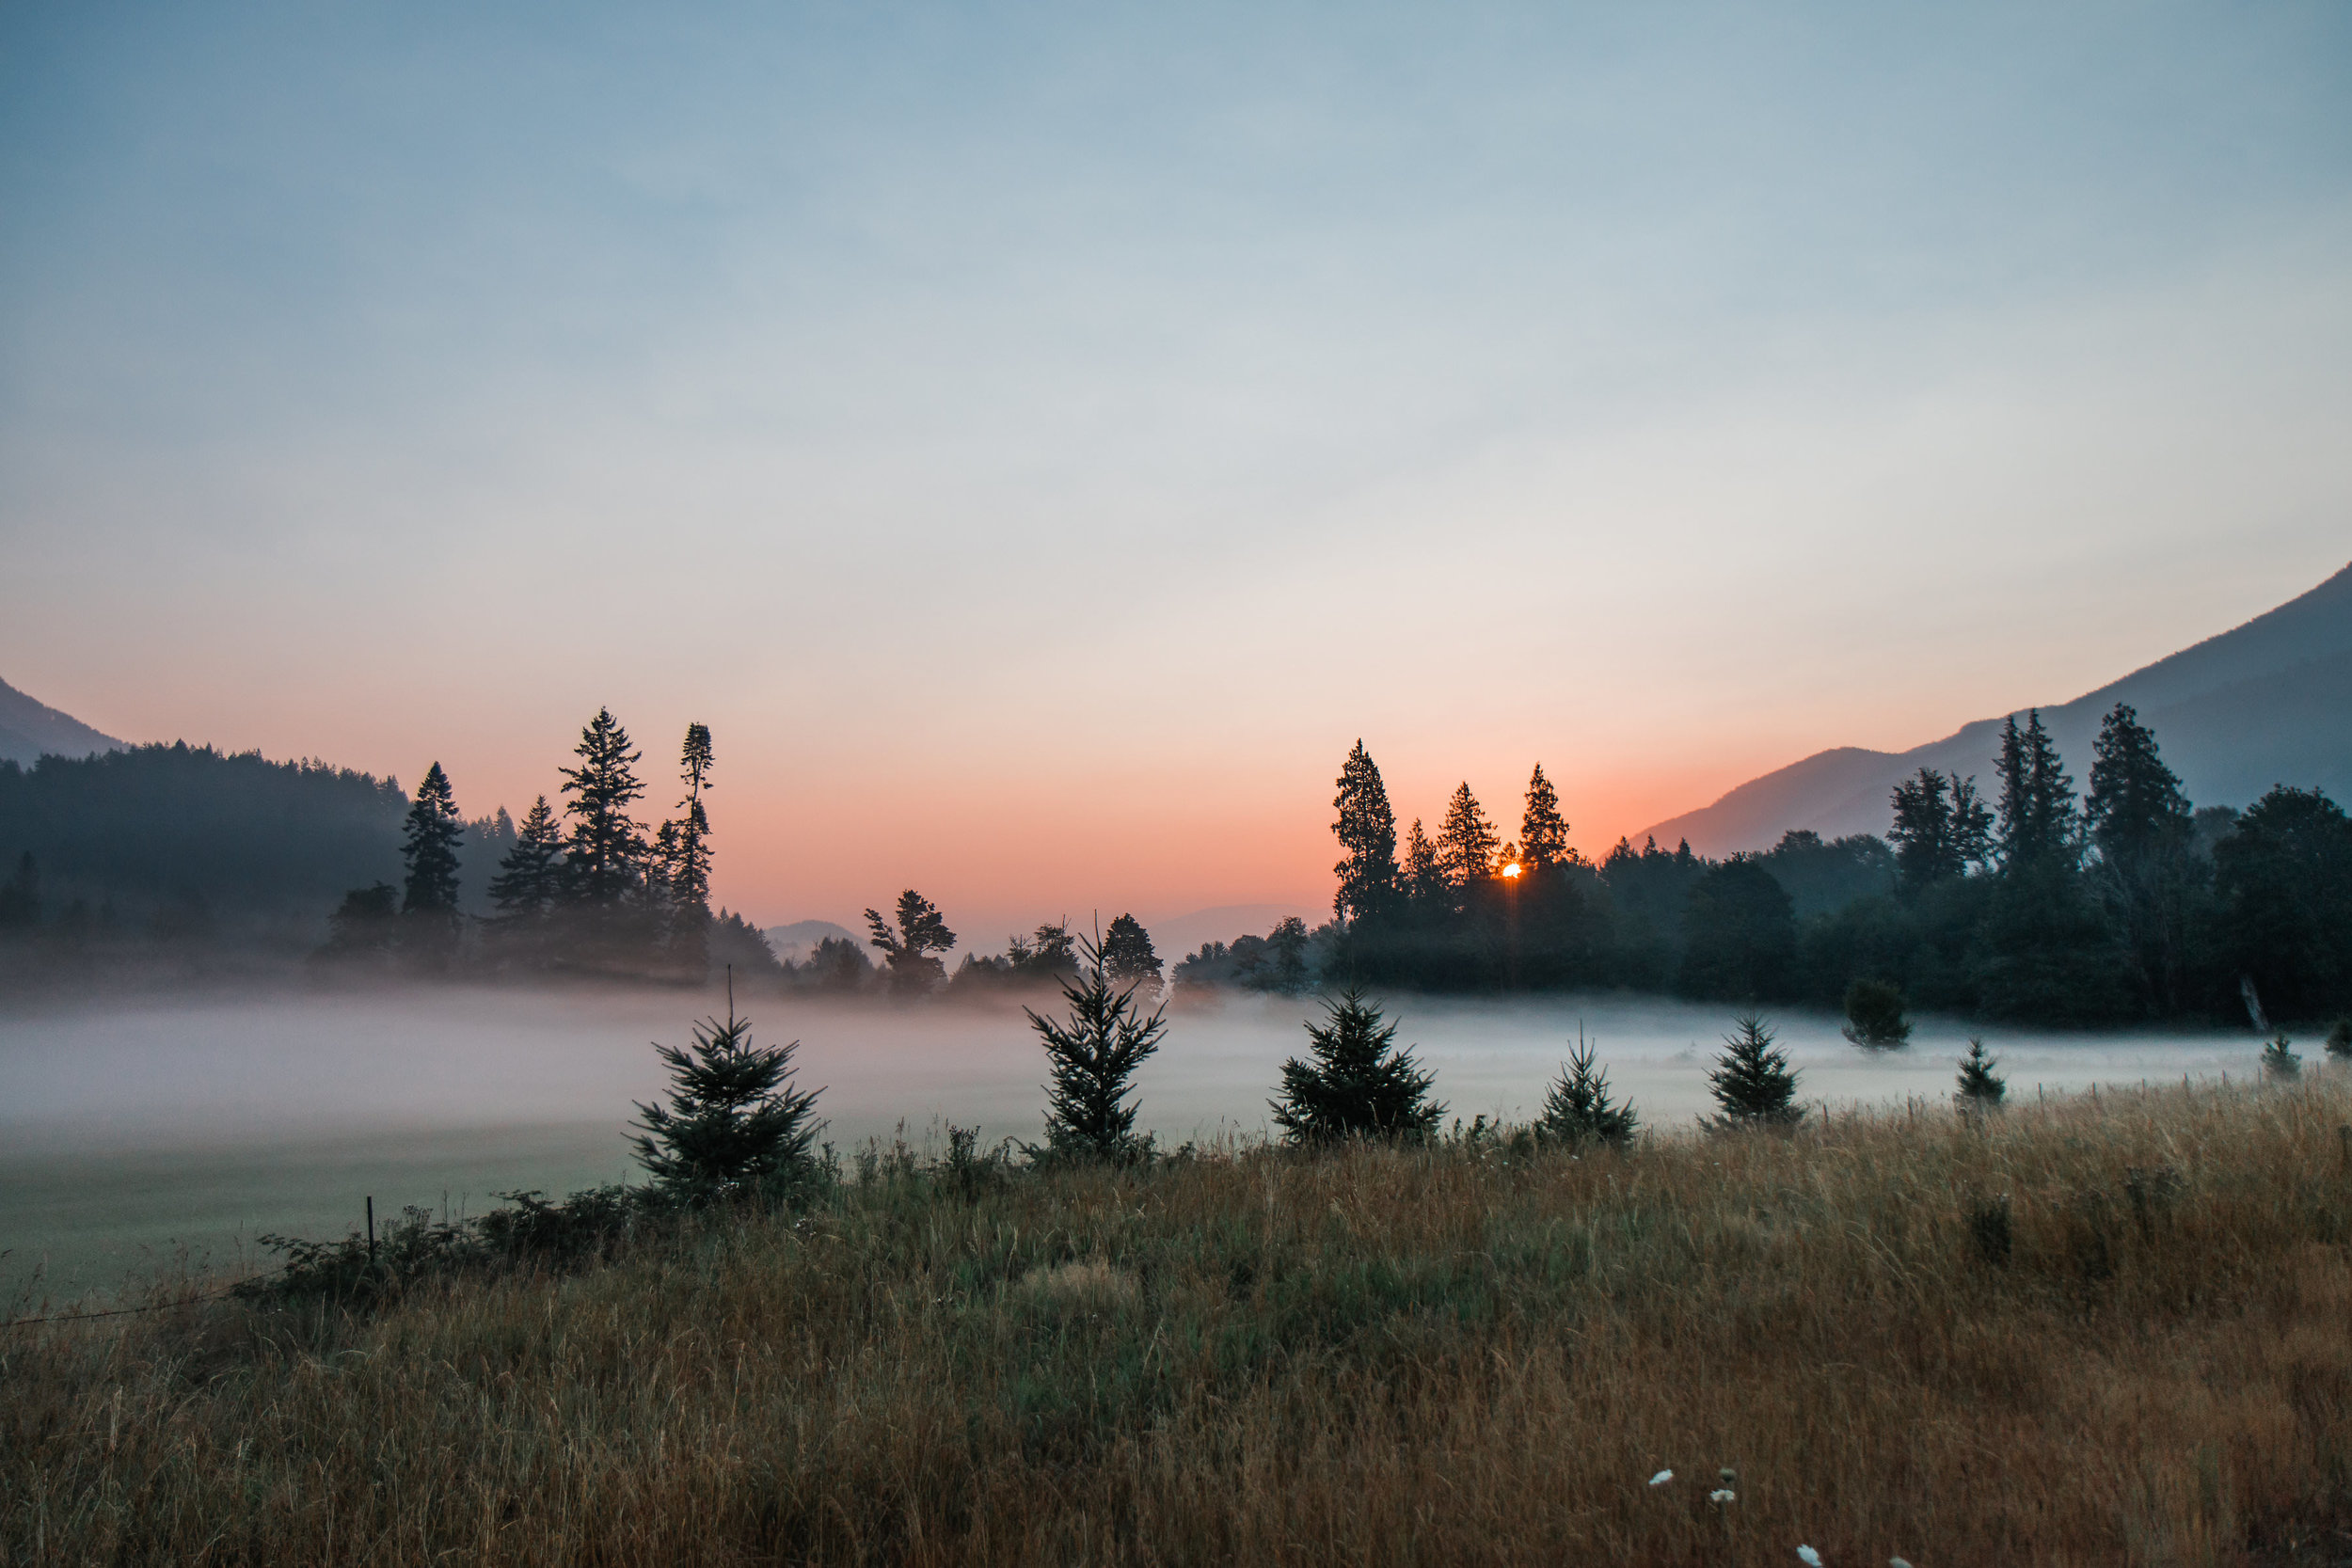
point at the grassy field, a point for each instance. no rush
(2105, 1331)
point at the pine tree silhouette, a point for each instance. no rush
(1127, 951)
(429, 848)
(922, 931)
(1467, 842)
(1367, 830)
(1543, 831)
(604, 851)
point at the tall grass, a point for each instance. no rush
(2111, 1333)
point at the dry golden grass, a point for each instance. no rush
(1460, 1354)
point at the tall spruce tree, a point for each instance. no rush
(683, 854)
(2038, 811)
(1467, 842)
(1092, 1057)
(605, 850)
(1356, 1083)
(1543, 831)
(529, 877)
(1367, 831)
(2147, 872)
(428, 850)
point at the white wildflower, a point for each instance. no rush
(1897, 1562)
(1810, 1558)
(1662, 1478)
(1722, 1494)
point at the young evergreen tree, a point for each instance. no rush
(2281, 1064)
(1980, 1088)
(1127, 950)
(1356, 1083)
(1093, 1055)
(735, 1124)
(530, 877)
(2340, 1039)
(1467, 842)
(907, 951)
(1752, 1081)
(2038, 816)
(1578, 1110)
(605, 850)
(1367, 831)
(1543, 831)
(428, 849)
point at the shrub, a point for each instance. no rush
(1357, 1084)
(1874, 1015)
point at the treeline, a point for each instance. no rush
(2120, 904)
(581, 888)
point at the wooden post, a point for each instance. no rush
(371, 1230)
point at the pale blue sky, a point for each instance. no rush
(1107, 414)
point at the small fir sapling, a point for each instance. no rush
(2280, 1062)
(2340, 1039)
(1874, 1015)
(1094, 1056)
(1579, 1110)
(735, 1124)
(1357, 1082)
(1981, 1087)
(1753, 1080)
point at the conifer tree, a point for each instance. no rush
(2135, 809)
(530, 877)
(1941, 828)
(1543, 831)
(1980, 1088)
(1752, 1081)
(1092, 1057)
(683, 853)
(1579, 1109)
(428, 849)
(605, 850)
(1467, 842)
(2281, 1064)
(735, 1124)
(1874, 1015)
(1367, 831)
(1423, 876)
(1356, 1082)
(1127, 951)
(2038, 810)
(922, 931)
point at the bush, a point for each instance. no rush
(1874, 1015)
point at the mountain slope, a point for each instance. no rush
(28, 729)
(2267, 703)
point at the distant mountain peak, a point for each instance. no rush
(30, 730)
(2265, 702)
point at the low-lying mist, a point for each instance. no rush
(128, 1129)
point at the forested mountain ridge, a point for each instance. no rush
(30, 730)
(2264, 703)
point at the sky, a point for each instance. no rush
(1040, 439)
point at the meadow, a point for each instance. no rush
(2107, 1329)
